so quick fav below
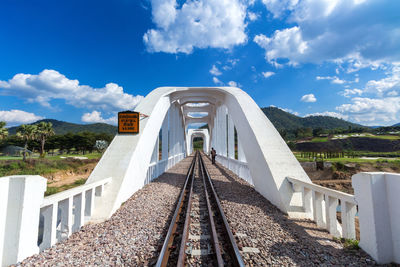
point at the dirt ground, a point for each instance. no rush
(341, 179)
(61, 178)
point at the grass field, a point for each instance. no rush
(36, 156)
(362, 156)
(41, 166)
(344, 136)
(319, 139)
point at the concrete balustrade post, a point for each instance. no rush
(317, 208)
(20, 200)
(49, 214)
(332, 225)
(307, 201)
(378, 198)
(348, 213)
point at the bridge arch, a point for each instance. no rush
(128, 157)
(192, 133)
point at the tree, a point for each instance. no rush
(26, 133)
(3, 130)
(44, 130)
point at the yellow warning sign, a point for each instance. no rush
(128, 122)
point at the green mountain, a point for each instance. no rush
(287, 121)
(62, 127)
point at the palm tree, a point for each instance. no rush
(3, 130)
(44, 130)
(26, 133)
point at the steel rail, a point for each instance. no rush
(182, 254)
(217, 248)
(165, 251)
(235, 254)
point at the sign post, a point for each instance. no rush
(128, 122)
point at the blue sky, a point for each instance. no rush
(83, 61)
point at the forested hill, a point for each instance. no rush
(283, 120)
(62, 127)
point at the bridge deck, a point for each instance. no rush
(134, 234)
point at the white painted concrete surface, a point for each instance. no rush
(321, 205)
(378, 197)
(20, 199)
(269, 159)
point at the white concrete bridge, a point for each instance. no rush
(258, 155)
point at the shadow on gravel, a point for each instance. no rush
(306, 249)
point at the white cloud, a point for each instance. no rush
(50, 84)
(308, 98)
(252, 16)
(392, 93)
(15, 117)
(350, 92)
(287, 43)
(201, 24)
(333, 79)
(278, 7)
(336, 79)
(321, 32)
(330, 114)
(268, 74)
(95, 116)
(215, 71)
(291, 111)
(390, 82)
(372, 111)
(230, 64)
(233, 84)
(217, 81)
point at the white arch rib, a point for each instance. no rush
(269, 159)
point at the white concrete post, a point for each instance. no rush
(317, 208)
(216, 130)
(154, 156)
(20, 200)
(348, 212)
(331, 204)
(164, 133)
(224, 144)
(241, 156)
(378, 198)
(231, 138)
(307, 201)
(49, 228)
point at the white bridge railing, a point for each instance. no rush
(66, 212)
(321, 205)
(30, 222)
(239, 168)
(159, 167)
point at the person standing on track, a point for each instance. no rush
(213, 155)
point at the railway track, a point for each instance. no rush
(199, 234)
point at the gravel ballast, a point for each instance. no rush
(134, 235)
(269, 236)
(131, 237)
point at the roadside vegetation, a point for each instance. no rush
(36, 150)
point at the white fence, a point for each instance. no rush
(66, 212)
(239, 168)
(30, 222)
(321, 204)
(157, 168)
